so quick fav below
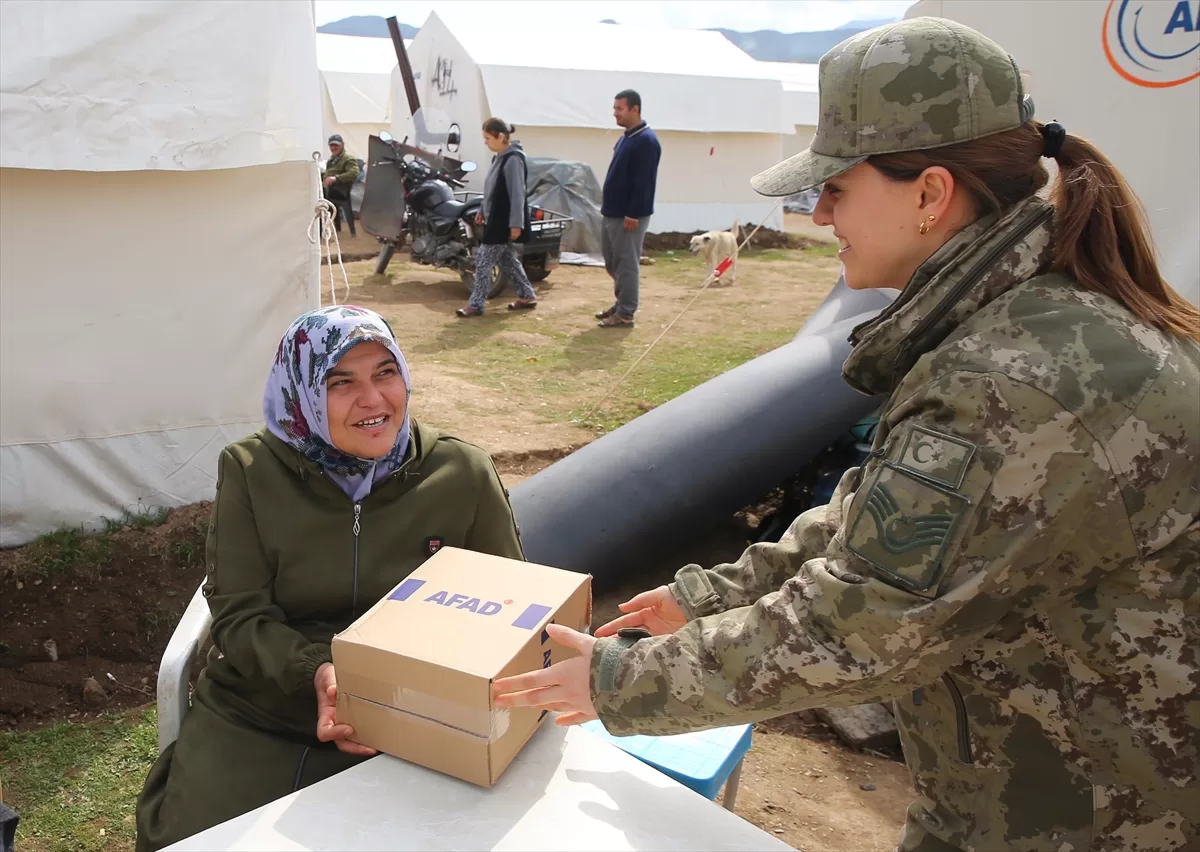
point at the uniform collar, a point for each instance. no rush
(978, 264)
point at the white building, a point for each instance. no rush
(158, 181)
(717, 112)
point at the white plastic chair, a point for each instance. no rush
(173, 671)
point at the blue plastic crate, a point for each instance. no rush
(701, 761)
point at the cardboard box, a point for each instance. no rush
(415, 671)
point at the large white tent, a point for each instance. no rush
(801, 104)
(1137, 99)
(717, 112)
(356, 87)
(158, 181)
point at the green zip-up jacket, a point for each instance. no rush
(292, 561)
(343, 168)
(1016, 566)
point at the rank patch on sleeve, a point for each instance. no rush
(940, 458)
(906, 524)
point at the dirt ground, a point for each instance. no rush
(73, 609)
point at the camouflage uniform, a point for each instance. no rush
(1015, 565)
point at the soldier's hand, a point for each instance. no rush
(630, 223)
(328, 730)
(655, 610)
(564, 687)
(478, 218)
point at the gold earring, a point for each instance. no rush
(924, 229)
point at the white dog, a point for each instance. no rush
(714, 247)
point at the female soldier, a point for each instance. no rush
(316, 517)
(503, 216)
(1016, 563)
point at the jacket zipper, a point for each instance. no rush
(404, 475)
(357, 530)
(960, 716)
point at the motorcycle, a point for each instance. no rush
(415, 199)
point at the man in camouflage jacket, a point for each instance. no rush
(1034, 613)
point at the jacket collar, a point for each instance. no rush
(975, 266)
(421, 441)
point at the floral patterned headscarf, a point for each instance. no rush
(294, 405)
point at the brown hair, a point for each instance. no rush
(498, 127)
(1102, 239)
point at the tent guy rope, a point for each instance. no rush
(322, 221)
(712, 279)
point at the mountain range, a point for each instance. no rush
(766, 45)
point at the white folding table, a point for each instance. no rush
(567, 790)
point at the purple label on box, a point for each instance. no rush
(531, 617)
(405, 590)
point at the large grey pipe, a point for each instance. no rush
(621, 504)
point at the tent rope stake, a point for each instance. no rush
(322, 221)
(712, 279)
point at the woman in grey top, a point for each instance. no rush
(504, 217)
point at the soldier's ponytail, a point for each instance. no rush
(1102, 238)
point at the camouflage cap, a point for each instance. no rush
(915, 84)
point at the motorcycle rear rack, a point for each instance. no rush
(549, 222)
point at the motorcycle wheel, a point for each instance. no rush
(499, 282)
(385, 257)
(535, 268)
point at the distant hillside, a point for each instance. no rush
(767, 45)
(371, 26)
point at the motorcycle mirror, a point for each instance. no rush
(384, 136)
(468, 166)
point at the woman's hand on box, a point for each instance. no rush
(656, 611)
(328, 730)
(564, 687)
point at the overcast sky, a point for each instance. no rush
(743, 15)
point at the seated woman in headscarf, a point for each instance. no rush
(317, 517)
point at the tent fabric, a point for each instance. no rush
(357, 72)
(356, 87)
(1151, 132)
(692, 80)
(156, 85)
(718, 127)
(126, 368)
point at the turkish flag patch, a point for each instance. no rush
(433, 544)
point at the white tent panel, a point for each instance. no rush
(1143, 113)
(582, 98)
(156, 84)
(122, 378)
(359, 98)
(356, 87)
(692, 80)
(718, 115)
(141, 300)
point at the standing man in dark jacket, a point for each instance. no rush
(627, 206)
